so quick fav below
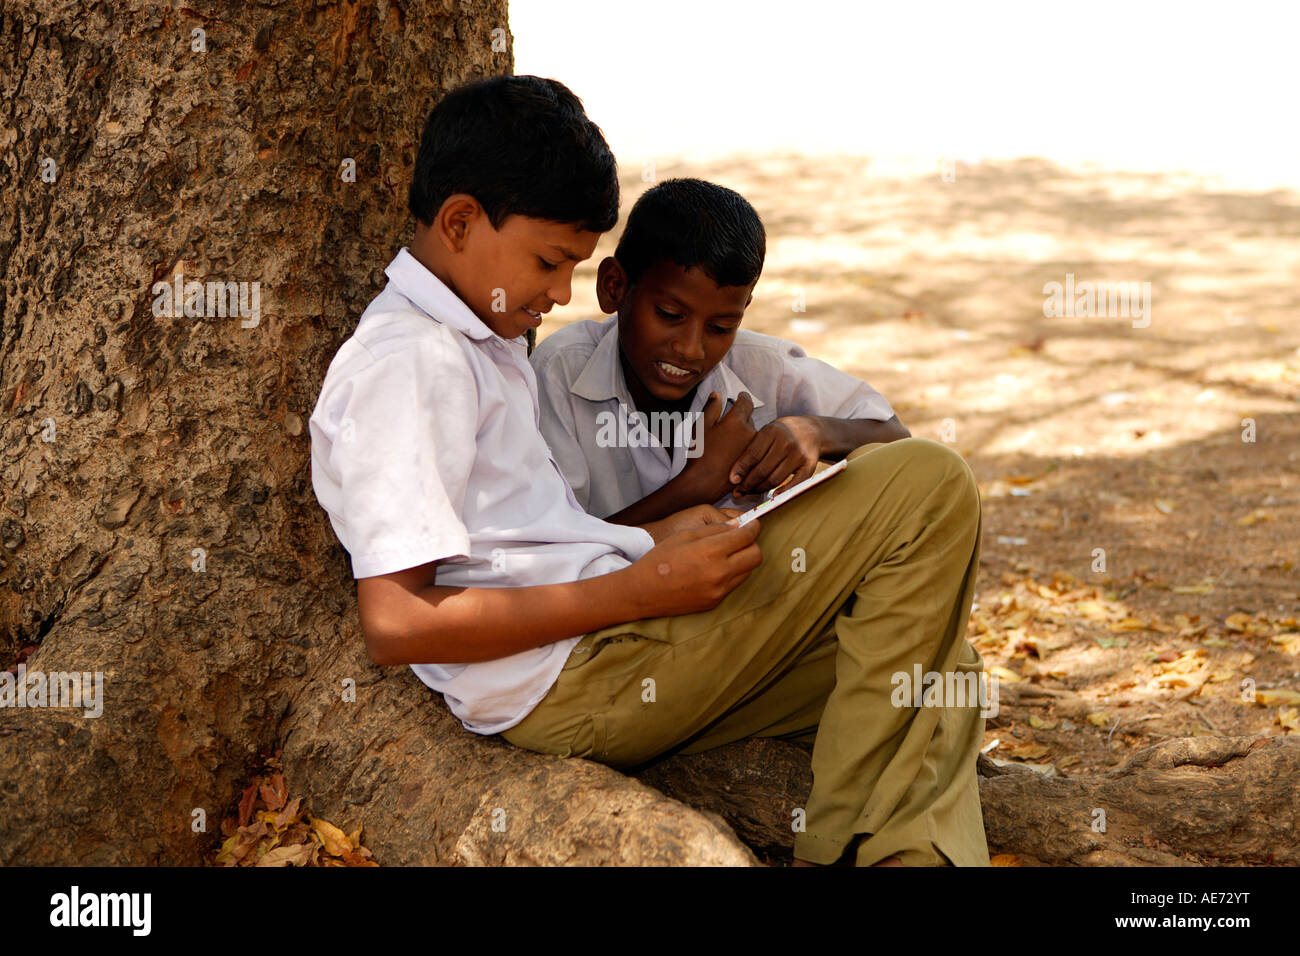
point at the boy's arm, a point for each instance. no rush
(824, 414)
(839, 436)
(407, 618)
(790, 447)
(678, 493)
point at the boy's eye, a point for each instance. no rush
(721, 329)
(548, 266)
(664, 313)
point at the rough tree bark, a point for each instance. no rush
(219, 156)
(156, 516)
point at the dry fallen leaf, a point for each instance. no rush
(1004, 673)
(1271, 698)
(1027, 751)
(1289, 717)
(1241, 623)
(273, 791)
(246, 803)
(334, 840)
(300, 855)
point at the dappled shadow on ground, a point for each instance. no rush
(1086, 432)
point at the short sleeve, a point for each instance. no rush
(396, 445)
(559, 425)
(810, 386)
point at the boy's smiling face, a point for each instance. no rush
(510, 277)
(674, 326)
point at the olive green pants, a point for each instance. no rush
(866, 582)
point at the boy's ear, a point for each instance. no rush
(611, 285)
(457, 214)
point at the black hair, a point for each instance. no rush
(694, 223)
(520, 145)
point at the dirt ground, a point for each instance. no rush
(1141, 485)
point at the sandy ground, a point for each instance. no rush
(1085, 432)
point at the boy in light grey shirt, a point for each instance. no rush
(618, 398)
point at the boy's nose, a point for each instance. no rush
(561, 292)
(690, 345)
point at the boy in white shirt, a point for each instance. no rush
(679, 282)
(476, 565)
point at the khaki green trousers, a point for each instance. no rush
(863, 579)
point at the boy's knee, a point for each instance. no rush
(923, 457)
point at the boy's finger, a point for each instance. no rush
(804, 472)
(758, 447)
(784, 469)
(745, 403)
(711, 515)
(711, 406)
(745, 560)
(740, 537)
(763, 470)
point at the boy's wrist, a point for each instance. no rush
(631, 594)
(825, 441)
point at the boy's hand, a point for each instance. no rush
(725, 437)
(789, 446)
(695, 569)
(697, 516)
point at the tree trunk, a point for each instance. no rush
(157, 523)
(157, 518)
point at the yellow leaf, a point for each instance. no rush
(1164, 506)
(1241, 623)
(1003, 673)
(1193, 589)
(335, 841)
(1288, 643)
(1091, 610)
(1255, 516)
(1129, 624)
(1099, 718)
(1270, 698)
(1039, 724)
(1004, 859)
(1069, 761)
(224, 854)
(1016, 619)
(1289, 717)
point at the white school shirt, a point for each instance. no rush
(581, 385)
(425, 447)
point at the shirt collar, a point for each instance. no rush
(601, 379)
(432, 296)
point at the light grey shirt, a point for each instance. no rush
(581, 390)
(425, 447)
